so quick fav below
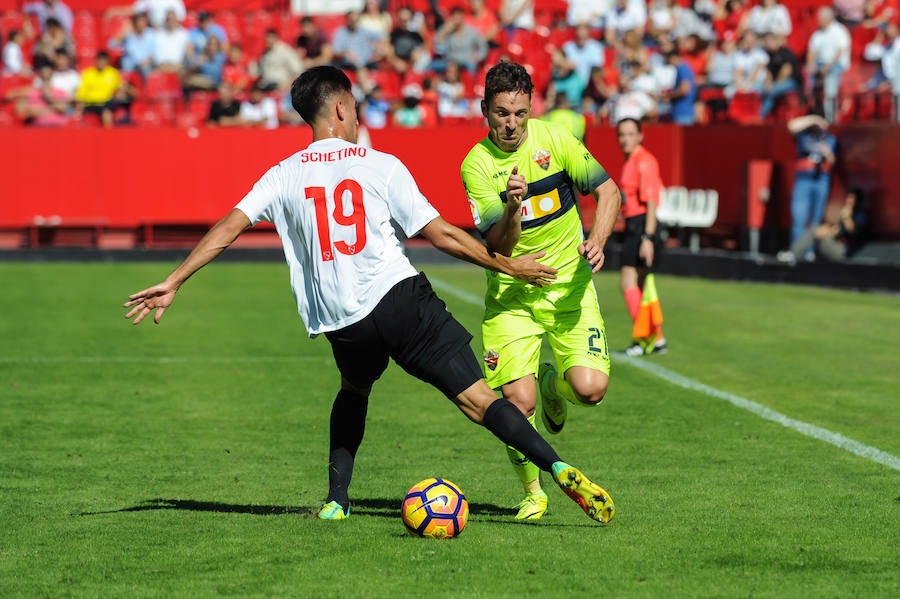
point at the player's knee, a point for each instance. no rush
(591, 392)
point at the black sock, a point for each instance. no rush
(510, 426)
(348, 424)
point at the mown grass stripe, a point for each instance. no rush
(804, 428)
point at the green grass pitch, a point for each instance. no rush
(184, 460)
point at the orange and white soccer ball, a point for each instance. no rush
(435, 508)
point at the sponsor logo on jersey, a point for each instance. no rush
(538, 206)
(491, 358)
(476, 217)
(542, 158)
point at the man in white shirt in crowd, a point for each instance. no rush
(827, 57)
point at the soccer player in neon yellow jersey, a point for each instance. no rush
(521, 181)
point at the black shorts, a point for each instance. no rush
(631, 243)
(410, 324)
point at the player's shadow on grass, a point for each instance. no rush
(384, 508)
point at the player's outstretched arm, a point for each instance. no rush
(160, 296)
(608, 204)
(454, 241)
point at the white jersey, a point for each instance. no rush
(332, 206)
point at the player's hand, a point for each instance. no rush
(516, 188)
(159, 297)
(527, 268)
(593, 253)
(646, 252)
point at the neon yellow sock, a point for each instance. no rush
(562, 388)
(525, 469)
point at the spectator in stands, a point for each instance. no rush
(204, 70)
(51, 9)
(783, 74)
(14, 62)
(54, 39)
(695, 53)
(410, 113)
(683, 94)
(631, 50)
(225, 110)
(517, 14)
(769, 17)
(690, 21)
(564, 114)
(729, 16)
(816, 149)
(885, 50)
(834, 241)
(564, 79)
(629, 104)
(172, 43)
(721, 67)
(662, 18)
(584, 52)
(259, 110)
(878, 13)
(375, 19)
(451, 93)
(625, 16)
(484, 21)
(313, 45)
(603, 84)
(408, 50)
(156, 10)
(97, 91)
(43, 105)
(827, 57)
(65, 78)
(590, 12)
(355, 47)
(236, 70)
(375, 109)
(279, 64)
(458, 42)
(138, 46)
(206, 28)
(849, 12)
(750, 64)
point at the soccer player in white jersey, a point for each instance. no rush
(332, 204)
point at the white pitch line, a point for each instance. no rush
(804, 428)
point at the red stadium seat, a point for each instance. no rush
(85, 28)
(744, 108)
(160, 85)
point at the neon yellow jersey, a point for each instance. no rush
(555, 164)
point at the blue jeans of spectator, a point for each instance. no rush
(778, 89)
(808, 202)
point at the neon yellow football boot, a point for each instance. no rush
(592, 498)
(333, 511)
(553, 407)
(533, 506)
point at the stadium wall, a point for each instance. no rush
(128, 178)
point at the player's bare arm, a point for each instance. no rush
(647, 247)
(608, 204)
(503, 236)
(454, 241)
(160, 296)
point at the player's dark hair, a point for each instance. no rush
(315, 87)
(628, 119)
(506, 77)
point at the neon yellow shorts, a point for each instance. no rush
(513, 333)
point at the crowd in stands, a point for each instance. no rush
(420, 63)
